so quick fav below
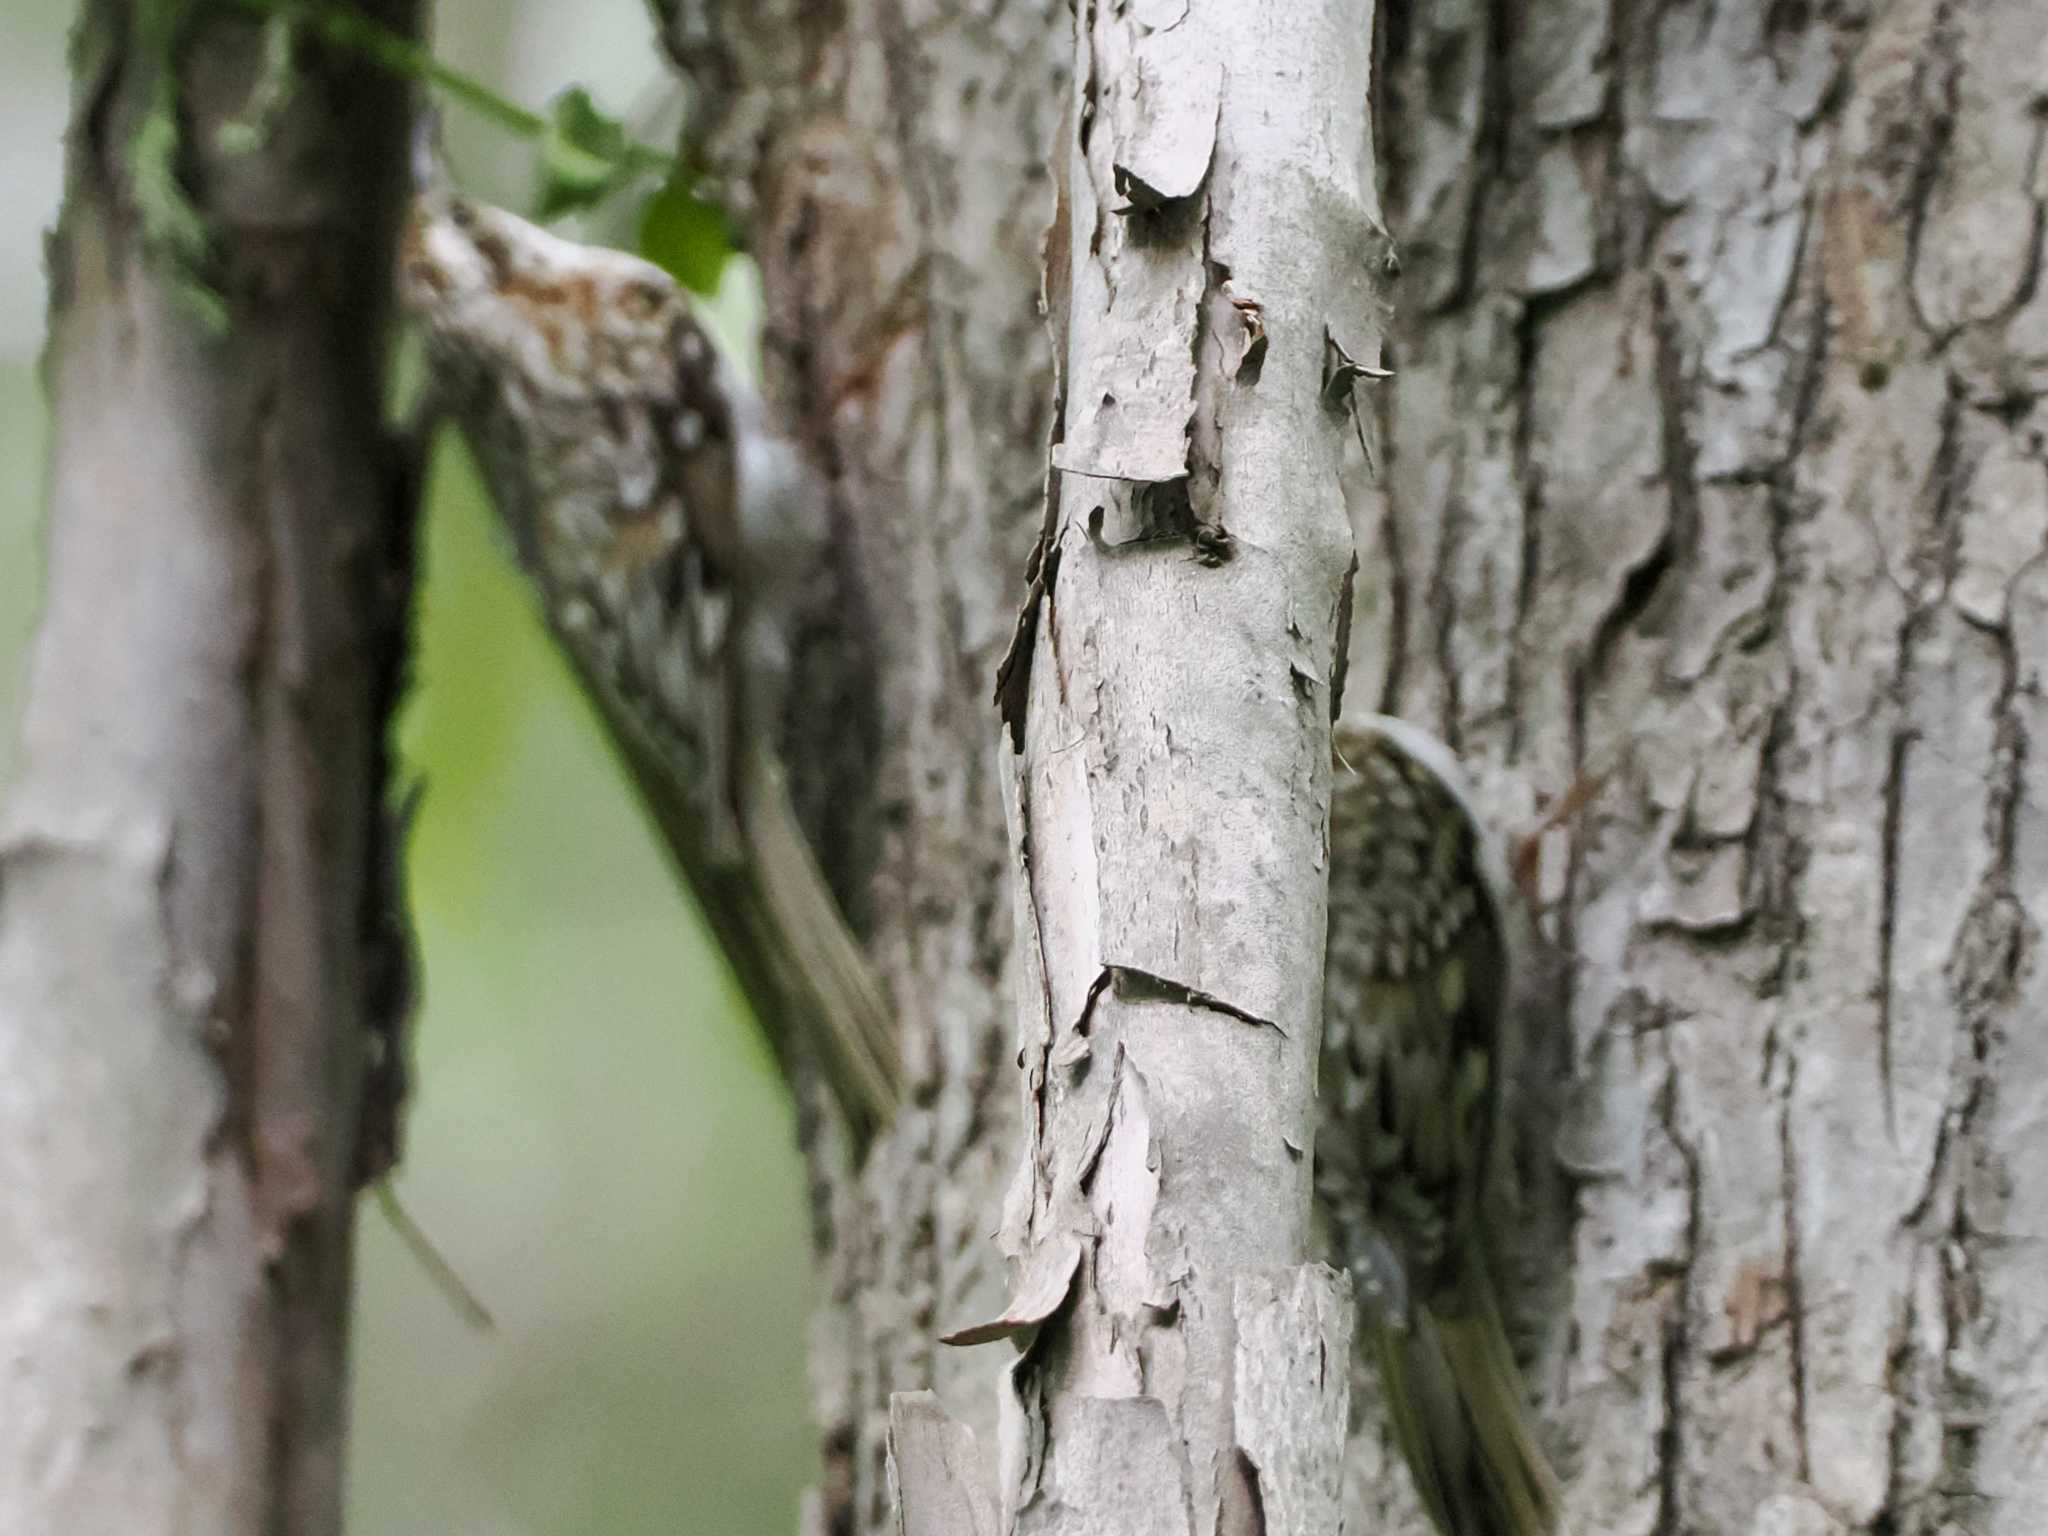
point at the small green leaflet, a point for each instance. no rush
(585, 156)
(686, 236)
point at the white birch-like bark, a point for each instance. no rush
(1712, 456)
(197, 965)
(1168, 707)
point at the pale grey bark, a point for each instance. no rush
(1713, 456)
(1715, 459)
(1168, 705)
(196, 957)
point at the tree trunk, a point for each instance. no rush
(892, 172)
(1168, 701)
(198, 961)
(1713, 464)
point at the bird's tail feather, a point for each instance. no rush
(825, 961)
(1462, 1418)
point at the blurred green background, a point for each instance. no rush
(598, 1141)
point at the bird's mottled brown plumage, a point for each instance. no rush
(1419, 962)
(1415, 993)
(655, 518)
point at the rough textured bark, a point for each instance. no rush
(1713, 457)
(197, 955)
(890, 166)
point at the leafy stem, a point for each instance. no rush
(402, 56)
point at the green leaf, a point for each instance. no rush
(685, 235)
(585, 156)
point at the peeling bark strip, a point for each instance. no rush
(1170, 792)
(197, 851)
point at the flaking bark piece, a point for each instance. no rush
(1341, 370)
(935, 1471)
(1164, 125)
(1130, 388)
(1042, 1291)
(1244, 351)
